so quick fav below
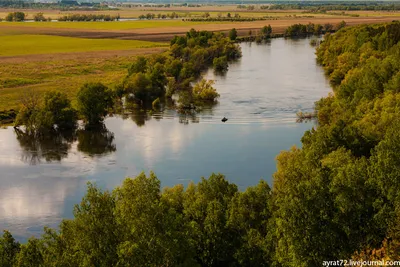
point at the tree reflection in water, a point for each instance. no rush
(55, 145)
(168, 109)
(96, 141)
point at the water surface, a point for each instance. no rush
(40, 181)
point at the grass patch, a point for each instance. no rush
(44, 44)
(14, 82)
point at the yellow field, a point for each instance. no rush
(14, 45)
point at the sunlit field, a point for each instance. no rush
(44, 44)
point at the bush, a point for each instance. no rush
(220, 63)
(39, 17)
(204, 91)
(233, 34)
(16, 16)
(54, 112)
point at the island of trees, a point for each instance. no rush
(335, 198)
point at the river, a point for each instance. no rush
(260, 95)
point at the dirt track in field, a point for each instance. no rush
(166, 33)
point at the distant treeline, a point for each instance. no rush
(58, 5)
(297, 30)
(227, 19)
(311, 5)
(172, 15)
(89, 17)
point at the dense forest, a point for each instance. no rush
(335, 198)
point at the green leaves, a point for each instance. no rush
(94, 100)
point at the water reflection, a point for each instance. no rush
(56, 145)
(96, 141)
(50, 147)
(169, 110)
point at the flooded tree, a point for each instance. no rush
(94, 100)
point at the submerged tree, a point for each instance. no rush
(55, 112)
(94, 100)
(204, 91)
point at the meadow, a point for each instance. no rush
(14, 45)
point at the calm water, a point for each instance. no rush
(41, 180)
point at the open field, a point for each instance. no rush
(44, 44)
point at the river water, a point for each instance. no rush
(260, 95)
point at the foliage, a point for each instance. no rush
(54, 112)
(204, 91)
(39, 17)
(138, 224)
(165, 74)
(297, 30)
(232, 34)
(9, 249)
(57, 104)
(220, 63)
(341, 188)
(94, 100)
(89, 17)
(16, 16)
(266, 31)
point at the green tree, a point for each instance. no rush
(232, 34)
(220, 64)
(204, 91)
(39, 17)
(64, 116)
(340, 25)
(30, 254)
(139, 65)
(94, 100)
(9, 249)
(249, 216)
(93, 235)
(266, 31)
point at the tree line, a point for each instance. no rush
(334, 5)
(298, 30)
(172, 15)
(335, 198)
(89, 17)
